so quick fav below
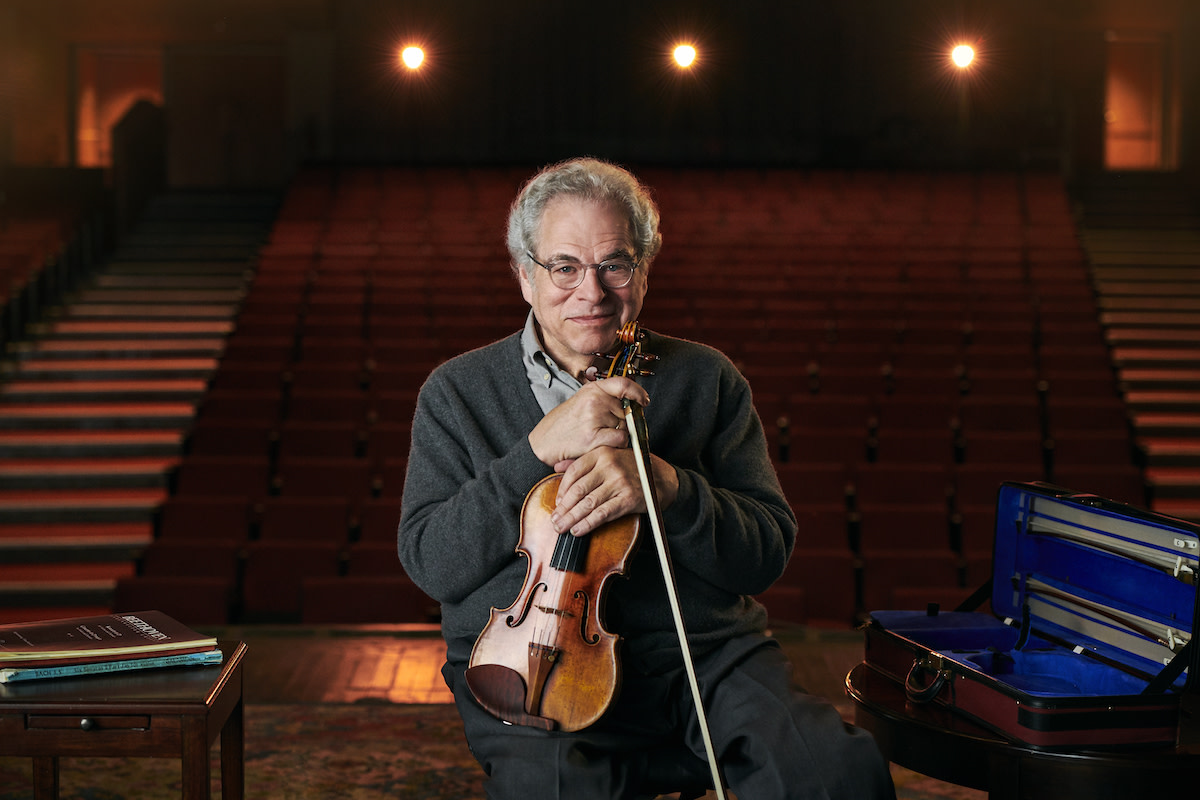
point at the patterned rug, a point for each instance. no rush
(318, 752)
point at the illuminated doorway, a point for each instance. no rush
(1139, 104)
(108, 82)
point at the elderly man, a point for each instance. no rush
(492, 423)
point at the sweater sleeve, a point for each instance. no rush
(470, 467)
(730, 525)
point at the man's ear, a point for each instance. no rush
(526, 284)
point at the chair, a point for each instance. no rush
(192, 600)
(915, 483)
(386, 440)
(274, 573)
(974, 530)
(379, 518)
(1025, 450)
(352, 478)
(822, 526)
(830, 411)
(203, 517)
(346, 405)
(1086, 413)
(260, 405)
(885, 572)
(900, 446)
(822, 581)
(231, 437)
(1007, 414)
(213, 558)
(243, 476)
(827, 445)
(364, 599)
(321, 438)
(976, 485)
(323, 518)
(1124, 483)
(819, 483)
(1091, 448)
(884, 526)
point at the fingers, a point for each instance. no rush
(596, 489)
(593, 417)
(621, 388)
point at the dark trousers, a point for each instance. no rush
(771, 742)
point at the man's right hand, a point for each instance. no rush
(593, 417)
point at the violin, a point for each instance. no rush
(547, 660)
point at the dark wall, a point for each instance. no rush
(798, 82)
(252, 89)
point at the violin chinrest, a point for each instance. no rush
(501, 690)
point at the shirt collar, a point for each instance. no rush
(550, 383)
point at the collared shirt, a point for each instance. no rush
(550, 383)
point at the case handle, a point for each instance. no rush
(913, 689)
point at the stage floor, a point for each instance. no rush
(401, 663)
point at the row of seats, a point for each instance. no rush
(911, 340)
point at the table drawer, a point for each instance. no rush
(87, 722)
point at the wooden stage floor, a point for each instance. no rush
(401, 663)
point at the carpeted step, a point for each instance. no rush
(1104, 276)
(1150, 290)
(1162, 402)
(183, 297)
(1185, 508)
(142, 311)
(71, 543)
(134, 329)
(118, 348)
(101, 416)
(1147, 358)
(58, 584)
(80, 505)
(241, 269)
(138, 280)
(175, 390)
(1155, 303)
(90, 443)
(1180, 424)
(1181, 379)
(1150, 319)
(1161, 451)
(1152, 337)
(171, 249)
(100, 369)
(1178, 482)
(87, 473)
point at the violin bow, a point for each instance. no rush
(635, 421)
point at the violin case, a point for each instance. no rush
(1089, 640)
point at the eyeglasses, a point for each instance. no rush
(614, 273)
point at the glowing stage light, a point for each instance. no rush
(962, 56)
(412, 57)
(685, 55)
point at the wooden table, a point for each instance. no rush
(174, 713)
(930, 739)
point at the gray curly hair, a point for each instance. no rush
(589, 179)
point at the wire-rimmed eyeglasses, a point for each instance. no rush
(613, 273)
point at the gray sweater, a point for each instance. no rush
(730, 531)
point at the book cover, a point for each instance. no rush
(107, 637)
(199, 659)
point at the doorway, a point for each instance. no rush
(1139, 103)
(108, 82)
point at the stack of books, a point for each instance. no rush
(100, 644)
